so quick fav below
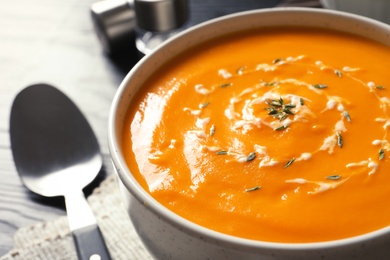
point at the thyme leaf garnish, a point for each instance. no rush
(240, 70)
(277, 60)
(212, 130)
(380, 87)
(251, 157)
(280, 128)
(347, 116)
(270, 84)
(283, 117)
(204, 105)
(253, 189)
(381, 154)
(289, 163)
(340, 141)
(338, 73)
(224, 85)
(222, 152)
(278, 109)
(301, 101)
(320, 86)
(334, 177)
(289, 106)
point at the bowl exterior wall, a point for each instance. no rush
(165, 240)
(168, 236)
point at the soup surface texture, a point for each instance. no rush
(276, 135)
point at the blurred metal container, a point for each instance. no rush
(118, 23)
(114, 23)
(161, 15)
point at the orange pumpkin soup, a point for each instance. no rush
(274, 135)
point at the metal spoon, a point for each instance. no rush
(56, 154)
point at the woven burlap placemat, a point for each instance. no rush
(53, 240)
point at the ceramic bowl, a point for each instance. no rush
(169, 236)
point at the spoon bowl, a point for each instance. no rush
(57, 154)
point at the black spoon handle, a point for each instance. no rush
(90, 243)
